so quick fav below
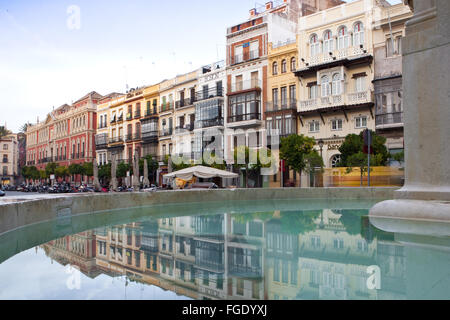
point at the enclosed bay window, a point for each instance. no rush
(360, 84)
(313, 90)
(337, 84)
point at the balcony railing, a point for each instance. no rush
(239, 58)
(150, 136)
(129, 116)
(166, 107)
(289, 104)
(137, 114)
(185, 102)
(116, 140)
(336, 100)
(209, 123)
(210, 93)
(151, 112)
(389, 119)
(166, 132)
(245, 85)
(335, 55)
(132, 137)
(244, 117)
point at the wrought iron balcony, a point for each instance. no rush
(393, 119)
(166, 132)
(244, 85)
(168, 106)
(137, 114)
(289, 104)
(239, 58)
(210, 93)
(115, 140)
(209, 123)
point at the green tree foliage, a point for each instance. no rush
(296, 151)
(122, 169)
(299, 222)
(152, 164)
(252, 159)
(62, 172)
(88, 169)
(50, 168)
(4, 131)
(104, 171)
(30, 173)
(43, 174)
(354, 144)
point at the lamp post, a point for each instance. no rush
(321, 143)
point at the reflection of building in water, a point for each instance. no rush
(77, 250)
(245, 258)
(321, 254)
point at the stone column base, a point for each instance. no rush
(430, 213)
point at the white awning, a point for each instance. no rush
(200, 172)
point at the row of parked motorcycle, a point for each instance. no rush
(61, 188)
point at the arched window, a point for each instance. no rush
(293, 64)
(328, 42)
(275, 68)
(314, 44)
(325, 83)
(358, 34)
(283, 66)
(343, 38)
(336, 86)
(335, 160)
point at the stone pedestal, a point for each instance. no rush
(426, 101)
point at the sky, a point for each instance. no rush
(55, 52)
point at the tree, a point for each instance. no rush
(62, 172)
(50, 168)
(24, 127)
(354, 144)
(4, 131)
(43, 175)
(88, 169)
(251, 160)
(74, 169)
(399, 157)
(122, 169)
(352, 153)
(296, 151)
(104, 172)
(313, 162)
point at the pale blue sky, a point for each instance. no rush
(43, 63)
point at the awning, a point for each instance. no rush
(201, 172)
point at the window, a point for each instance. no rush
(394, 47)
(283, 96)
(283, 66)
(5, 147)
(338, 243)
(314, 126)
(358, 34)
(361, 122)
(275, 68)
(336, 124)
(328, 41)
(326, 87)
(292, 94)
(275, 96)
(335, 160)
(360, 84)
(238, 54)
(314, 45)
(293, 64)
(269, 124)
(313, 91)
(336, 86)
(343, 38)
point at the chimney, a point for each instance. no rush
(253, 12)
(269, 5)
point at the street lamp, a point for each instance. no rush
(321, 143)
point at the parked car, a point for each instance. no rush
(2, 194)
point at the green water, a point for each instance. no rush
(290, 249)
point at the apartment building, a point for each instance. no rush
(103, 125)
(9, 157)
(66, 136)
(149, 121)
(336, 69)
(210, 110)
(389, 31)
